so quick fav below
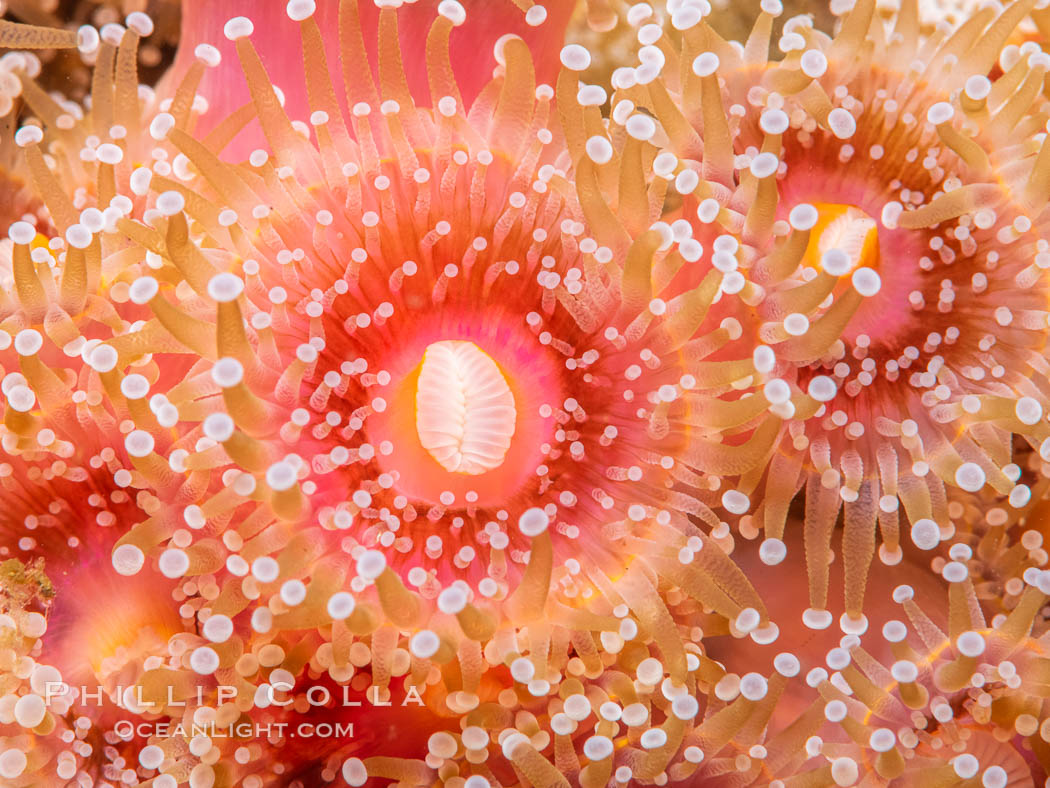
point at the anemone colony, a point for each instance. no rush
(538, 428)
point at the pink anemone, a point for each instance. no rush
(404, 397)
